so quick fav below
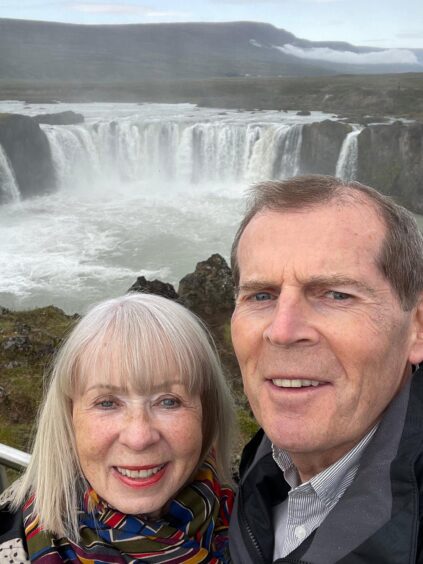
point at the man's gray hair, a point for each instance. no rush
(401, 255)
(150, 340)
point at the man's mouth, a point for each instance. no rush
(142, 473)
(295, 383)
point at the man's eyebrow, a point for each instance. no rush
(255, 285)
(313, 281)
(338, 280)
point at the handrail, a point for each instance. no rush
(11, 458)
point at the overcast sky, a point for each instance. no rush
(377, 23)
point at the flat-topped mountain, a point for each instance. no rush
(34, 50)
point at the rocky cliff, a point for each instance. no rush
(320, 146)
(28, 151)
(390, 158)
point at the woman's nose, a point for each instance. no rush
(139, 430)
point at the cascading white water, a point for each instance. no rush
(134, 150)
(346, 166)
(8, 186)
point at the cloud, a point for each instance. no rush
(387, 56)
(123, 9)
(118, 8)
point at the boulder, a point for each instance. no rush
(209, 290)
(60, 118)
(28, 150)
(154, 287)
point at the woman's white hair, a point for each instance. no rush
(150, 339)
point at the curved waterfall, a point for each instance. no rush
(8, 187)
(187, 146)
(193, 153)
(346, 166)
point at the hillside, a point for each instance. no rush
(31, 50)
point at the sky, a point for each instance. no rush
(373, 23)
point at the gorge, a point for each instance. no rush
(93, 199)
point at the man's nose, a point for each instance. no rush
(139, 430)
(291, 322)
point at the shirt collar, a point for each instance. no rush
(332, 482)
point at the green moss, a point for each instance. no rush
(248, 426)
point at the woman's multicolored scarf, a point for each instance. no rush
(194, 530)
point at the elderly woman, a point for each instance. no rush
(132, 447)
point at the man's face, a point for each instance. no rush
(320, 335)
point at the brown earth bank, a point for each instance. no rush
(353, 96)
(29, 340)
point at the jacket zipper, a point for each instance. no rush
(253, 541)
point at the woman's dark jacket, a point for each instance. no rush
(377, 521)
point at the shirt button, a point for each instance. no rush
(300, 532)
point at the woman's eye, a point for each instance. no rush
(106, 404)
(169, 403)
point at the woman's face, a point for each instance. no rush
(137, 451)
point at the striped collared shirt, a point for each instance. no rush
(308, 504)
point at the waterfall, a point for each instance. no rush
(9, 191)
(346, 167)
(134, 150)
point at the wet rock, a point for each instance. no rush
(154, 287)
(28, 151)
(320, 146)
(390, 158)
(303, 113)
(60, 118)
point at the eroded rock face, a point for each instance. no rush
(208, 291)
(60, 118)
(390, 158)
(28, 151)
(321, 145)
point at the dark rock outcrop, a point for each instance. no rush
(390, 158)
(208, 291)
(320, 146)
(28, 151)
(154, 287)
(60, 118)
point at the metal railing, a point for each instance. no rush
(11, 458)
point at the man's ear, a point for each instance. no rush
(416, 349)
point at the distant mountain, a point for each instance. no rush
(33, 50)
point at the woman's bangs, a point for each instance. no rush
(137, 359)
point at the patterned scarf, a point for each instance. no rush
(193, 531)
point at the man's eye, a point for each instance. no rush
(261, 296)
(338, 296)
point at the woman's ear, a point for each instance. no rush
(416, 349)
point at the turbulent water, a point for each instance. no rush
(143, 189)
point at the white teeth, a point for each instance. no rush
(285, 383)
(139, 473)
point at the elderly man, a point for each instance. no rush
(328, 330)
